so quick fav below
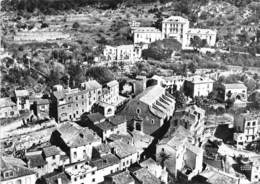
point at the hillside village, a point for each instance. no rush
(143, 93)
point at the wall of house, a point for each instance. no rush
(127, 161)
(99, 175)
(29, 179)
(147, 37)
(236, 92)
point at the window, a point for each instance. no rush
(111, 171)
(152, 121)
(76, 166)
(53, 157)
(93, 172)
(84, 151)
(248, 124)
(12, 113)
(75, 179)
(138, 111)
(82, 96)
(162, 149)
(123, 163)
(93, 180)
(254, 123)
(75, 154)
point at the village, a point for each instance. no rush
(184, 126)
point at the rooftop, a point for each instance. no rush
(51, 151)
(105, 161)
(151, 94)
(76, 136)
(177, 138)
(146, 29)
(112, 83)
(176, 19)
(52, 178)
(6, 102)
(123, 177)
(145, 177)
(21, 93)
(105, 125)
(198, 79)
(122, 149)
(91, 85)
(235, 86)
(96, 117)
(201, 31)
(35, 160)
(117, 119)
(19, 170)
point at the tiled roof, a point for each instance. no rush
(151, 94)
(199, 79)
(201, 31)
(20, 93)
(6, 102)
(177, 138)
(235, 86)
(117, 119)
(19, 171)
(52, 178)
(51, 150)
(105, 125)
(91, 85)
(145, 177)
(112, 83)
(123, 177)
(35, 160)
(176, 19)
(105, 161)
(76, 136)
(147, 30)
(96, 117)
(122, 149)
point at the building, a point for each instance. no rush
(134, 87)
(106, 164)
(113, 125)
(127, 153)
(147, 35)
(184, 157)
(175, 27)
(59, 177)
(191, 117)
(255, 169)
(36, 162)
(39, 36)
(54, 157)
(157, 170)
(122, 53)
(13, 172)
(110, 93)
(77, 142)
(198, 86)
(232, 91)
(148, 110)
(70, 104)
(145, 177)
(204, 34)
(123, 177)
(8, 108)
(171, 83)
(22, 99)
(81, 172)
(247, 127)
(41, 108)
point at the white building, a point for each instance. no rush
(124, 53)
(204, 34)
(247, 128)
(234, 91)
(147, 35)
(175, 27)
(40, 36)
(110, 93)
(76, 141)
(198, 86)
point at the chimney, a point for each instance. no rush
(59, 181)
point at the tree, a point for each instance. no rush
(180, 99)
(75, 25)
(192, 67)
(163, 157)
(101, 74)
(197, 42)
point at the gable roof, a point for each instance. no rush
(122, 177)
(52, 178)
(105, 161)
(75, 136)
(18, 170)
(112, 83)
(235, 86)
(96, 117)
(145, 177)
(91, 85)
(176, 19)
(21, 93)
(51, 151)
(35, 160)
(122, 149)
(151, 94)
